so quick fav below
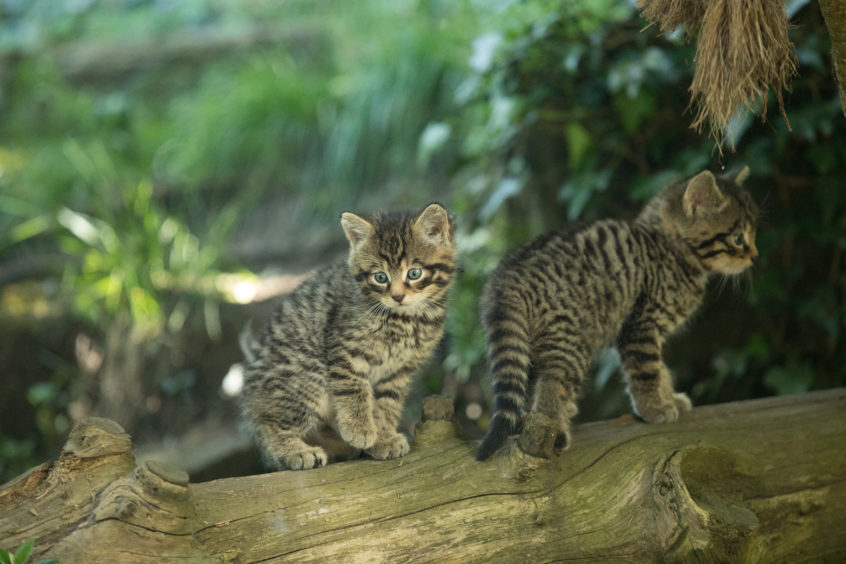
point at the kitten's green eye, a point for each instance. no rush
(414, 273)
(380, 278)
(737, 239)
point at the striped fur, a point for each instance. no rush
(333, 366)
(550, 305)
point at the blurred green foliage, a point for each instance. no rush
(520, 116)
(126, 176)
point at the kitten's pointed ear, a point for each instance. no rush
(701, 195)
(737, 175)
(433, 224)
(356, 229)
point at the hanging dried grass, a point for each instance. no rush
(670, 14)
(742, 51)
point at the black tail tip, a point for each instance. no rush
(498, 431)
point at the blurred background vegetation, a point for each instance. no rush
(169, 168)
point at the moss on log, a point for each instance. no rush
(762, 480)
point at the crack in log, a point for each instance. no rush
(137, 526)
(385, 520)
(39, 524)
(151, 555)
(227, 522)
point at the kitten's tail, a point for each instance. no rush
(508, 357)
(499, 429)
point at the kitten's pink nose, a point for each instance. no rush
(398, 298)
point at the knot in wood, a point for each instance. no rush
(438, 408)
(163, 480)
(95, 436)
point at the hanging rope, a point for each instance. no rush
(742, 51)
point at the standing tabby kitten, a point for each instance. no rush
(551, 304)
(334, 364)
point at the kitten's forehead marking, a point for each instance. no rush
(391, 241)
(395, 245)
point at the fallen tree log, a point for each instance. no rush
(761, 480)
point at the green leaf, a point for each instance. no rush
(31, 228)
(22, 554)
(5, 557)
(633, 110)
(79, 225)
(579, 142)
(49, 561)
(41, 393)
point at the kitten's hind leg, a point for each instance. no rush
(560, 369)
(553, 399)
(286, 449)
(562, 441)
(561, 362)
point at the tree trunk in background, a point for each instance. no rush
(834, 13)
(121, 381)
(755, 481)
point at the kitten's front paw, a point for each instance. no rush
(664, 412)
(393, 447)
(683, 403)
(304, 459)
(359, 434)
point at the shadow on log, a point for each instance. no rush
(761, 480)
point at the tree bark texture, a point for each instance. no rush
(834, 14)
(754, 481)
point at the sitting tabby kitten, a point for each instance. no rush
(551, 304)
(334, 364)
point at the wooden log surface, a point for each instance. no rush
(754, 481)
